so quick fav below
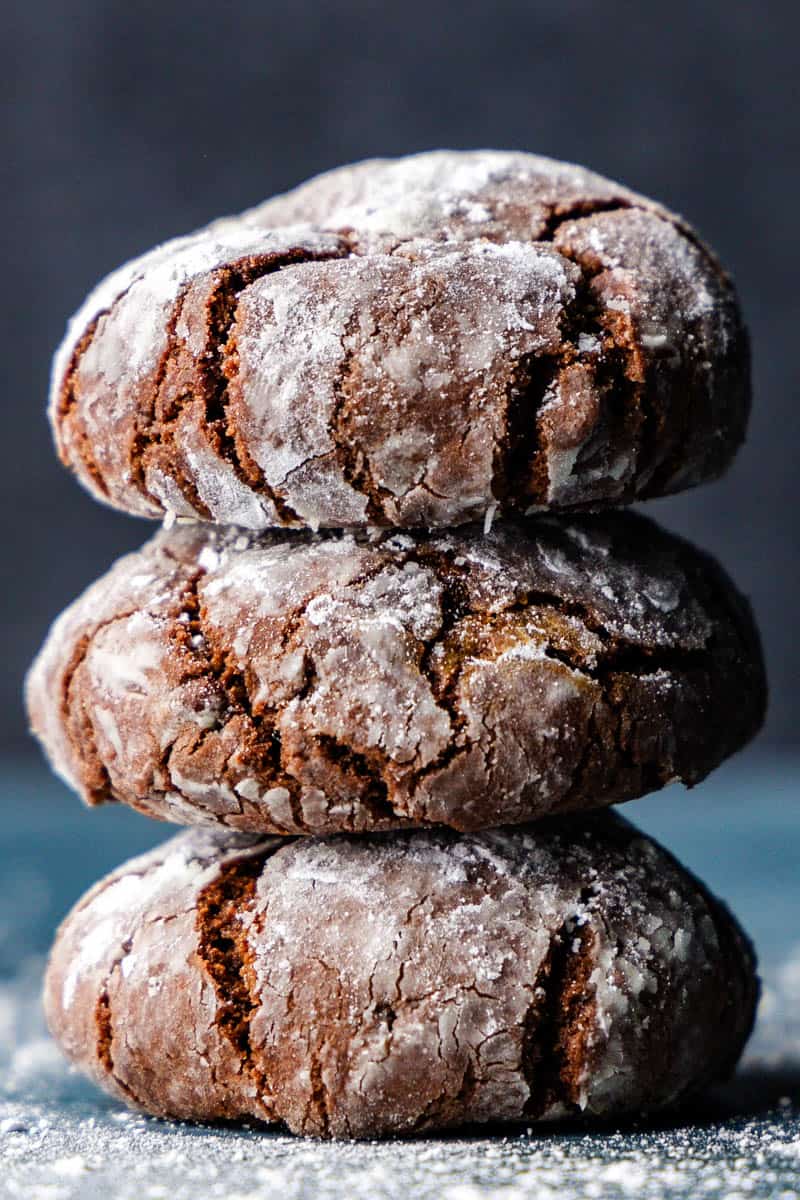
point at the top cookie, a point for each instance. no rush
(424, 341)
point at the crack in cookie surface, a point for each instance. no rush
(226, 957)
(561, 1022)
(275, 714)
(403, 982)
(604, 417)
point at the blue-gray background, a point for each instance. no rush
(130, 122)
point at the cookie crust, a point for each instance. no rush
(310, 684)
(409, 343)
(400, 983)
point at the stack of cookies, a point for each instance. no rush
(391, 658)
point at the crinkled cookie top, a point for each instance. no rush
(354, 987)
(414, 342)
(318, 683)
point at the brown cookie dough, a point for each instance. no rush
(416, 342)
(317, 683)
(397, 983)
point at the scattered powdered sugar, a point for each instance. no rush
(61, 1140)
(140, 1159)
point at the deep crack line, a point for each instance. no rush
(220, 367)
(517, 464)
(85, 751)
(150, 432)
(214, 660)
(225, 955)
(557, 1023)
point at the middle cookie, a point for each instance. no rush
(301, 683)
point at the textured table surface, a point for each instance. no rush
(60, 1139)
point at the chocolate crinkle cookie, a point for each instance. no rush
(403, 982)
(417, 342)
(302, 683)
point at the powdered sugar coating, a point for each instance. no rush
(512, 975)
(417, 342)
(130, 931)
(298, 683)
(445, 194)
(330, 331)
(131, 314)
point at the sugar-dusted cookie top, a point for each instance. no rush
(317, 683)
(414, 342)
(399, 983)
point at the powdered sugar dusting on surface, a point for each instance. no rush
(89, 1157)
(61, 1140)
(449, 934)
(115, 909)
(227, 498)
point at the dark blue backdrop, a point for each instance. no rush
(130, 122)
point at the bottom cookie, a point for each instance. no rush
(402, 982)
